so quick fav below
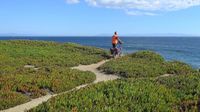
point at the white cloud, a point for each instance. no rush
(144, 7)
(72, 1)
(140, 13)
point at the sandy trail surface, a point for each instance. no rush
(35, 102)
(99, 75)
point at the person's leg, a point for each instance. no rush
(114, 45)
(113, 49)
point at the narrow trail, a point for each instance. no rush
(99, 75)
(165, 75)
(35, 102)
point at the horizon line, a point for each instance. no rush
(103, 36)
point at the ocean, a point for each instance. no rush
(186, 49)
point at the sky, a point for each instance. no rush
(99, 17)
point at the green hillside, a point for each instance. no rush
(140, 88)
(30, 69)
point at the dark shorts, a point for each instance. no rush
(114, 45)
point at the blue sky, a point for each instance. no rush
(99, 17)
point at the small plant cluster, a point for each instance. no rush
(145, 64)
(50, 71)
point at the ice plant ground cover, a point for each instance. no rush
(145, 64)
(30, 69)
(179, 93)
(141, 89)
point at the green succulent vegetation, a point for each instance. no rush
(186, 88)
(145, 64)
(116, 96)
(140, 90)
(9, 99)
(131, 95)
(134, 94)
(48, 71)
(15, 54)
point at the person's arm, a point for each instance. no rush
(120, 41)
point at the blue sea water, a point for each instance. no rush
(186, 49)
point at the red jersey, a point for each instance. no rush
(115, 39)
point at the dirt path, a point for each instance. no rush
(35, 102)
(165, 75)
(99, 75)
